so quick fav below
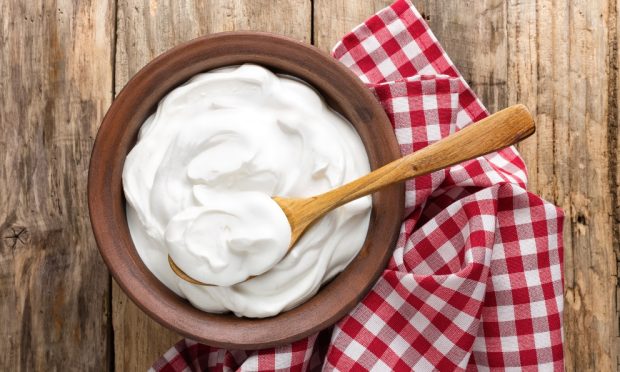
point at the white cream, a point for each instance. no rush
(229, 238)
(199, 182)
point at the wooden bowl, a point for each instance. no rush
(118, 133)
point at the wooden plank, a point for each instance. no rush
(472, 32)
(334, 18)
(563, 62)
(145, 29)
(560, 59)
(613, 150)
(55, 85)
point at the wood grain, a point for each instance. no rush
(138, 339)
(55, 85)
(473, 33)
(561, 60)
(334, 18)
(565, 63)
(146, 29)
(56, 81)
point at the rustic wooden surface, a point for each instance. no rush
(55, 86)
(61, 64)
(144, 30)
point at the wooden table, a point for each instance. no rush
(62, 62)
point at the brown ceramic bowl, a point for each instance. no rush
(118, 132)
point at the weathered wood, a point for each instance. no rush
(334, 18)
(564, 63)
(473, 33)
(561, 60)
(138, 340)
(55, 85)
(146, 29)
(459, 25)
(56, 72)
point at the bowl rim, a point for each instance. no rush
(116, 136)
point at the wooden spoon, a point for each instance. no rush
(493, 133)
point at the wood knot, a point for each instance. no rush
(15, 236)
(581, 219)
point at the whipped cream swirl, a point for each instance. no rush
(199, 182)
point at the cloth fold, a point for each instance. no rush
(475, 281)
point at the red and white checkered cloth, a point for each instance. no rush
(475, 282)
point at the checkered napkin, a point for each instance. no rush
(475, 282)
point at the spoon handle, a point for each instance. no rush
(493, 133)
